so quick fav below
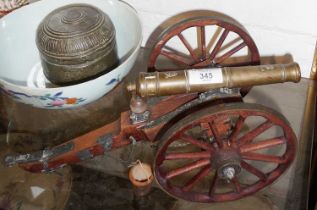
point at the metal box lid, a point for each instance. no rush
(76, 42)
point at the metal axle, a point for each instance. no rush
(229, 172)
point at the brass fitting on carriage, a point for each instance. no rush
(200, 80)
(139, 109)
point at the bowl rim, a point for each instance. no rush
(131, 52)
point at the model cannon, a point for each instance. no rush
(200, 80)
(211, 146)
(213, 133)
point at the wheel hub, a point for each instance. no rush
(227, 163)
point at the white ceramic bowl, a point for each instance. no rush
(21, 75)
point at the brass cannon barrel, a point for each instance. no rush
(200, 80)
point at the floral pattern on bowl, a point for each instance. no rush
(52, 100)
(114, 81)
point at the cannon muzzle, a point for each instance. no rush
(200, 80)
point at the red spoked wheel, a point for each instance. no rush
(203, 41)
(199, 42)
(224, 153)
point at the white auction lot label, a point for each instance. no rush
(205, 76)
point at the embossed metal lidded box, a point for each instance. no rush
(76, 43)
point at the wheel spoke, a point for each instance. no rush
(205, 127)
(177, 58)
(203, 42)
(197, 143)
(193, 181)
(230, 44)
(216, 134)
(230, 52)
(253, 170)
(236, 184)
(263, 157)
(188, 155)
(254, 133)
(187, 168)
(218, 44)
(237, 129)
(213, 39)
(213, 185)
(189, 48)
(262, 144)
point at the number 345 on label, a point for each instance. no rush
(205, 76)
